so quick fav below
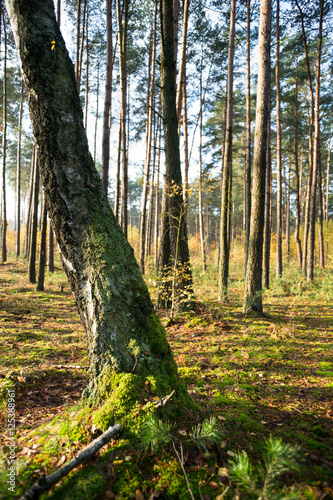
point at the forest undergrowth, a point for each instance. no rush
(259, 377)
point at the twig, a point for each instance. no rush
(163, 401)
(181, 461)
(45, 483)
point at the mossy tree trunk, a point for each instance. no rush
(111, 296)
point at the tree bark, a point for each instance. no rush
(33, 224)
(327, 181)
(151, 94)
(227, 168)
(18, 175)
(253, 285)
(268, 202)
(278, 150)
(107, 99)
(111, 296)
(175, 218)
(316, 156)
(4, 143)
(201, 224)
(311, 160)
(297, 181)
(42, 249)
(247, 179)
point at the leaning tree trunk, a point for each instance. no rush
(111, 296)
(253, 284)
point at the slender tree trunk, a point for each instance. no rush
(42, 249)
(111, 296)
(311, 160)
(86, 98)
(84, 15)
(182, 67)
(157, 197)
(4, 144)
(30, 198)
(297, 181)
(50, 254)
(253, 285)
(96, 115)
(247, 178)
(18, 174)
(287, 204)
(320, 213)
(312, 210)
(33, 225)
(77, 52)
(328, 180)
(201, 225)
(186, 157)
(107, 99)
(58, 12)
(122, 36)
(278, 150)
(117, 189)
(151, 95)
(268, 201)
(227, 168)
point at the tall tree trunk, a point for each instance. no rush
(151, 95)
(186, 157)
(157, 197)
(42, 249)
(201, 224)
(18, 174)
(4, 144)
(311, 160)
(320, 213)
(50, 253)
(176, 231)
(30, 198)
(96, 115)
(247, 178)
(278, 150)
(117, 188)
(287, 204)
(107, 99)
(268, 201)
(122, 37)
(297, 180)
(33, 225)
(227, 168)
(77, 51)
(111, 296)
(253, 285)
(86, 98)
(327, 181)
(182, 67)
(58, 12)
(316, 156)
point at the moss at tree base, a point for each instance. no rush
(127, 398)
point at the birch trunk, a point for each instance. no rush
(111, 296)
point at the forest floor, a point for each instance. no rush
(259, 376)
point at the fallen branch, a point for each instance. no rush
(45, 483)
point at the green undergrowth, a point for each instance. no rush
(261, 377)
